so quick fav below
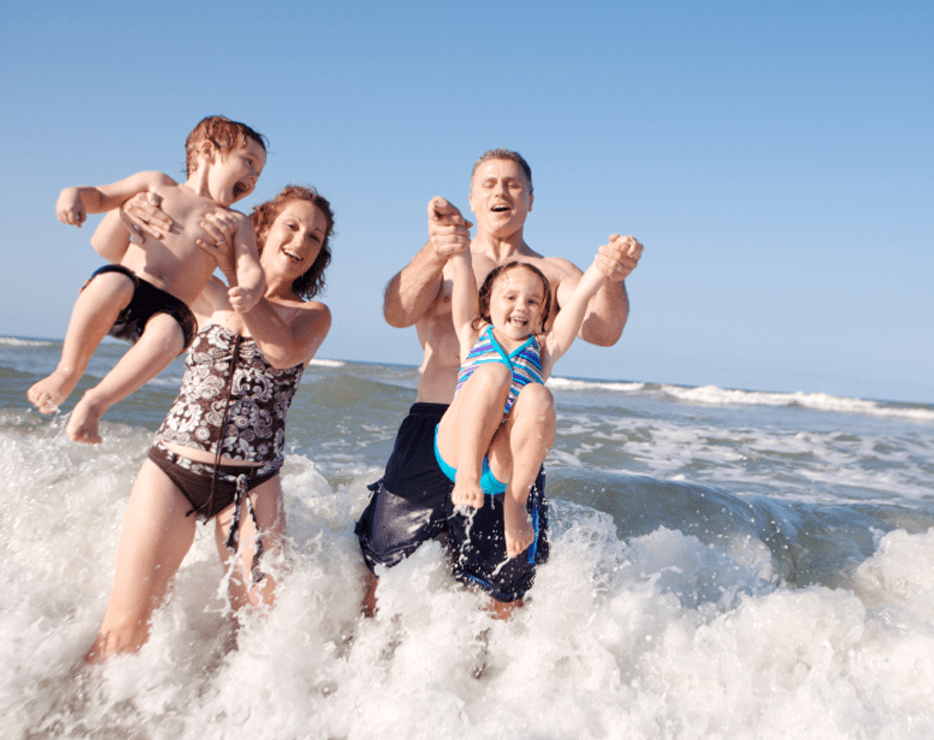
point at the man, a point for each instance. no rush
(411, 504)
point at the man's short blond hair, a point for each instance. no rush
(504, 154)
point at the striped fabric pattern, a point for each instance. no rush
(525, 362)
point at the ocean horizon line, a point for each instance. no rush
(707, 395)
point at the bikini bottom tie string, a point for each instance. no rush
(233, 537)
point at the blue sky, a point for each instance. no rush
(776, 159)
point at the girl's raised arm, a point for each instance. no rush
(568, 322)
(464, 301)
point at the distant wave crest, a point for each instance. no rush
(20, 342)
(567, 384)
(711, 394)
(328, 363)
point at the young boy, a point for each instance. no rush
(145, 298)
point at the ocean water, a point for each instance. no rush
(725, 564)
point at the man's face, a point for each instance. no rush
(500, 197)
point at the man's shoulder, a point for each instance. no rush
(556, 269)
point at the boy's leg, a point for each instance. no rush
(270, 515)
(97, 308)
(516, 455)
(155, 538)
(161, 342)
(465, 432)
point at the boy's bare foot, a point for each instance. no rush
(82, 425)
(516, 526)
(467, 494)
(48, 393)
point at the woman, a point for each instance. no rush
(241, 373)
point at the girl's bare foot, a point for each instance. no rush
(82, 425)
(50, 392)
(516, 526)
(467, 494)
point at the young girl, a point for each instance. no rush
(497, 432)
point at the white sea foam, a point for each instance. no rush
(715, 396)
(660, 635)
(711, 395)
(327, 363)
(20, 342)
(571, 384)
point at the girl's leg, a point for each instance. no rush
(97, 307)
(155, 538)
(161, 342)
(468, 426)
(270, 515)
(516, 455)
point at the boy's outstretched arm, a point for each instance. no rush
(75, 203)
(248, 284)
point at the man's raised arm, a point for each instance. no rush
(411, 291)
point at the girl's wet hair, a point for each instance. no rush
(486, 291)
(309, 284)
(223, 133)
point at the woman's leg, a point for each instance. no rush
(516, 455)
(468, 426)
(155, 537)
(270, 515)
(95, 311)
(161, 342)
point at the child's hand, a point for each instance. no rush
(70, 208)
(244, 299)
(516, 526)
(619, 257)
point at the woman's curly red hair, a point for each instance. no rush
(308, 285)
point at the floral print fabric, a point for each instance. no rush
(255, 409)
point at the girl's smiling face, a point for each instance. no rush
(517, 300)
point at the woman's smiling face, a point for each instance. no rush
(294, 240)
